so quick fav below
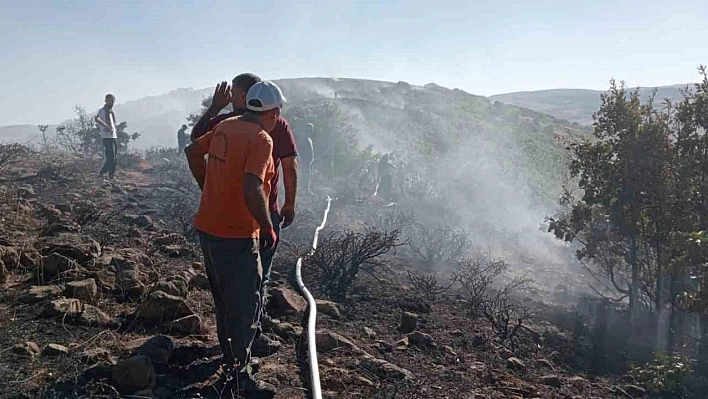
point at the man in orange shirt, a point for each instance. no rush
(234, 223)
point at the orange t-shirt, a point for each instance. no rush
(235, 148)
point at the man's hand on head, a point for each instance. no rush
(288, 215)
(222, 96)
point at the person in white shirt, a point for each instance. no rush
(106, 121)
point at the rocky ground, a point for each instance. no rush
(104, 294)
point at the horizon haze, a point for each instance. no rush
(58, 55)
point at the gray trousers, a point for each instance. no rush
(233, 267)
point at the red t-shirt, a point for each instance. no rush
(283, 147)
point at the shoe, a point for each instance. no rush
(254, 386)
(243, 383)
(264, 346)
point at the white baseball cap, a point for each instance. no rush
(264, 96)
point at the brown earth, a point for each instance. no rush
(128, 237)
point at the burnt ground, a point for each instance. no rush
(146, 212)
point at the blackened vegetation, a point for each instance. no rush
(341, 256)
(428, 285)
(10, 153)
(436, 245)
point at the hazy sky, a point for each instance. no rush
(56, 54)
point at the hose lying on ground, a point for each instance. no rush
(312, 309)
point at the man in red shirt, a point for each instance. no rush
(284, 153)
(233, 217)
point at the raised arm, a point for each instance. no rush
(222, 98)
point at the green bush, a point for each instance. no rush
(665, 377)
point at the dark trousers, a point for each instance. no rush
(110, 146)
(267, 255)
(234, 270)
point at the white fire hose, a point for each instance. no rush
(312, 316)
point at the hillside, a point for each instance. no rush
(575, 105)
(103, 294)
(496, 148)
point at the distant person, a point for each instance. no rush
(284, 153)
(234, 223)
(385, 177)
(106, 121)
(182, 137)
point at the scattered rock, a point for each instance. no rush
(551, 380)
(384, 346)
(545, 364)
(515, 363)
(85, 290)
(26, 192)
(74, 246)
(55, 350)
(479, 340)
(176, 287)
(64, 207)
(384, 370)
(105, 279)
(57, 228)
(55, 264)
(402, 343)
(329, 308)
(448, 349)
(327, 341)
(576, 379)
(162, 307)
(187, 325)
(158, 348)
(418, 338)
(93, 316)
(138, 220)
(505, 353)
(370, 333)
(409, 322)
(127, 281)
(95, 355)
(635, 391)
(10, 256)
(38, 293)
(556, 356)
(171, 238)
(285, 301)
(176, 251)
(134, 374)
(283, 329)
(52, 214)
(69, 307)
(200, 281)
(31, 259)
(200, 266)
(26, 349)
(3, 272)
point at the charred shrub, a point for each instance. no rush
(178, 211)
(504, 313)
(341, 256)
(428, 286)
(392, 220)
(476, 275)
(10, 153)
(435, 245)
